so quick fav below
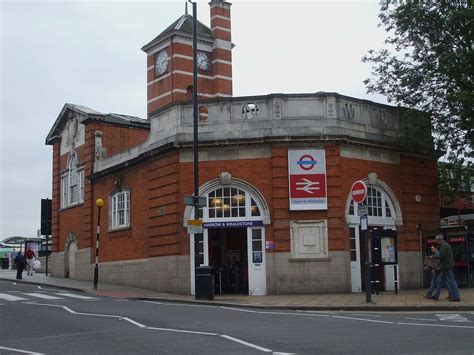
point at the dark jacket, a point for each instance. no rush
(446, 260)
(20, 261)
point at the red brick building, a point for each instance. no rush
(275, 171)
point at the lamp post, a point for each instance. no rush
(99, 203)
(195, 139)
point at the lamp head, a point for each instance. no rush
(99, 202)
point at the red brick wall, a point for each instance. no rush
(158, 186)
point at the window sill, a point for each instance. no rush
(294, 259)
(119, 229)
(71, 206)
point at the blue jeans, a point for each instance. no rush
(448, 277)
(434, 283)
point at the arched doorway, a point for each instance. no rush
(383, 214)
(71, 247)
(233, 238)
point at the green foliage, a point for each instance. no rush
(429, 68)
(454, 180)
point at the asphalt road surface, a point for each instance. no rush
(45, 320)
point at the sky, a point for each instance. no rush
(88, 53)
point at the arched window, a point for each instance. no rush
(379, 207)
(119, 209)
(231, 202)
(72, 183)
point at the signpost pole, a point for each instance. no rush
(359, 193)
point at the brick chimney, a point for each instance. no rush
(222, 51)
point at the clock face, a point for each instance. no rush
(161, 62)
(203, 60)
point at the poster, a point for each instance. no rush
(388, 250)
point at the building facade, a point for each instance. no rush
(275, 170)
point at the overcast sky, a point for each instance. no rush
(88, 53)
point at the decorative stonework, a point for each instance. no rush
(348, 111)
(72, 128)
(331, 107)
(71, 239)
(249, 110)
(100, 151)
(225, 178)
(276, 109)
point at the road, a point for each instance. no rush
(46, 320)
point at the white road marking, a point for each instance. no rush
(46, 297)
(7, 297)
(179, 304)
(72, 295)
(20, 351)
(452, 318)
(238, 309)
(438, 325)
(364, 320)
(133, 322)
(365, 315)
(296, 314)
(246, 343)
(152, 302)
(424, 319)
(181, 331)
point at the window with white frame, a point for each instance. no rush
(119, 209)
(72, 183)
(232, 203)
(380, 208)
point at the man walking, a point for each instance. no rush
(446, 264)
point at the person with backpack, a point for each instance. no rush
(30, 254)
(20, 262)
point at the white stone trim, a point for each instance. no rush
(159, 97)
(202, 76)
(159, 48)
(182, 56)
(221, 61)
(201, 46)
(221, 28)
(221, 44)
(158, 79)
(151, 67)
(221, 17)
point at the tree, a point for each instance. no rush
(428, 67)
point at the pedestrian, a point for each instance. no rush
(20, 263)
(446, 264)
(30, 254)
(435, 271)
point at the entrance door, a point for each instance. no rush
(356, 283)
(256, 261)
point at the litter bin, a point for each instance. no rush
(204, 283)
(5, 263)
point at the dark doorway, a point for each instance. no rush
(228, 256)
(377, 273)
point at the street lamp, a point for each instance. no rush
(99, 203)
(195, 140)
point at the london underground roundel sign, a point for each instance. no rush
(359, 191)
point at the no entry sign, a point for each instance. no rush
(359, 191)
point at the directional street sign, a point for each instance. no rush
(194, 226)
(192, 200)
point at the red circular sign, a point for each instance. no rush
(358, 191)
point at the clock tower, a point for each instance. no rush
(170, 60)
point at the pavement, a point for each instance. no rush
(405, 300)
